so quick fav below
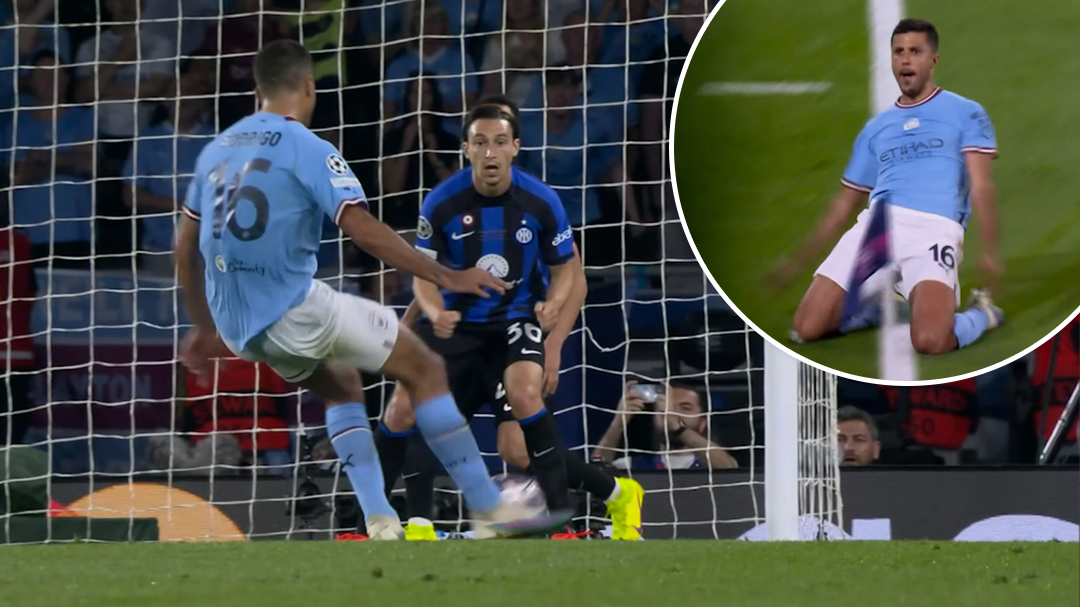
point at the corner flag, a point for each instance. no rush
(896, 356)
(874, 254)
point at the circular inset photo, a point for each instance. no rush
(867, 192)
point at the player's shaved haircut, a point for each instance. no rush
(282, 66)
(917, 26)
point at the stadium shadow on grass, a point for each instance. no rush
(757, 164)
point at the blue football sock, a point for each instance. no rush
(350, 433)
(451, 440)
(969, 325)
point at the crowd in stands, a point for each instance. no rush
(100, 126)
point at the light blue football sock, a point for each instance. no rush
(970, 325)
(451, 440)
(350, 433)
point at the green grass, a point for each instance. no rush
(756, 173)
(539, 573)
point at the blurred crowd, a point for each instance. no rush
(105, 113)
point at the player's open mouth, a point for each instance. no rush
(907, 74)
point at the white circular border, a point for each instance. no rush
(745, 318)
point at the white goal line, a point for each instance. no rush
(764, 88)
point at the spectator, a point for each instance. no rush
(940, 417)
(512, 56)
(236, 40)
(574, 166)
(679, 427)
(471, 18)
(321, 26)
(857, 435)
(54, 209)
(419, 153)
(163, 161)
(247, 401)
(1063, 380)
(607, 86)
(121, 70)
(435, 54)
(30, 30)
(17, 291)
(182, 23)
(642, 21)
(659, 81)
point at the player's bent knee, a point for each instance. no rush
(526, 401)
(932, 342)
(805, 328)
(399, 415)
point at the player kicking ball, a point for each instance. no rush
(623, 497)
(928, 158)
(263, 186)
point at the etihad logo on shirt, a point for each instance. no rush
(911, 151)
(562, 237)
(237, 265)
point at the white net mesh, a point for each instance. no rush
(110, 425)
(819, 459)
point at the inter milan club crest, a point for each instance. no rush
(524, 235)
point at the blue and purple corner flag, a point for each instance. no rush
(874, 254)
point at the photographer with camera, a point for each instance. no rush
(677, 432)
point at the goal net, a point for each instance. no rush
(105, 431)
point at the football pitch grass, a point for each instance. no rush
(756, 173)
(542, 574)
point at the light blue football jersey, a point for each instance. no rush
(260, 190)
(913, 156)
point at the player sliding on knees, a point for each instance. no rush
(475, 385)
(928, 158)
(253, 211)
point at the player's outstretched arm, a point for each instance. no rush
(383, 242)
(571, 309)
(189, 272)
(563, 280)
(200, 343)
(843, 204)
(567, 318)
(984, 204)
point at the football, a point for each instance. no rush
(523, 491)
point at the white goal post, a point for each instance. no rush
(802, 463)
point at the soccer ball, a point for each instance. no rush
(522, 491)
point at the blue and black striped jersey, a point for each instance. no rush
(516, 237)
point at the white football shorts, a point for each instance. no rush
(924, 245)
(327, 326)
